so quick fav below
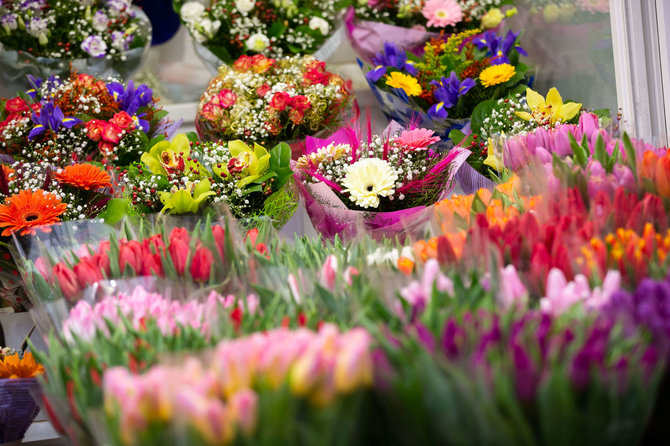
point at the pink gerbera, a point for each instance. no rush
(417, 139)
(441, 13)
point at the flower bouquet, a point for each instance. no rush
(441, 89)
(17, 384)
(185, 176)
(268, 101)
(96, 37)
(382, 182)
(409, 24)
(227, 29)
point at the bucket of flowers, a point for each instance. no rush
(18, 381)
(268, 101)
(384, 185)
(224, 30)
(97, 37)
(410, 24)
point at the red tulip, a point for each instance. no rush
(87, 273)
(155, 244)
(179, 251)
(201, 265)
(220, 240)
(67, 280)
(131, 254)
(101, 259)
(181, 234)
(252, 235)
(153, 265)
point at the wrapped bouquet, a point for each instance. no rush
(98, 37)
(382, 182)
(442, 88)
(184, 176)
(229, 29)
(267, 101)
(410, 23)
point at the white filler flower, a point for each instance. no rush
(368, 179)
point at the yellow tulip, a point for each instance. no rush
(492, 160)
(550, 111)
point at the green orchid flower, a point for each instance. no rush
(173, 155)
(246, 165)
(188, 200)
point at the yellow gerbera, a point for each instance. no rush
(549, 111)
(405, 82)
(497, 74)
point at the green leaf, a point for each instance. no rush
(578, 151)
(160, 114)
(276, 29)
(115, 210)
(481, 112)
(222, 53)
(599, 153)
(631, 156)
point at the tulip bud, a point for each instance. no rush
(67, 280)
(179, 251)
(201, 265)
(220, 239)
(329, 273)
(353, 366)
(131, 255)
(87, 273)
(244, 407)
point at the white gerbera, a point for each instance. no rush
(368, 179)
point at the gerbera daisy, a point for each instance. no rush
(8, 172)
(441, 13)
(84, 176)
(14, 367)
(28, 210)
(405, 82)
(417, 139)
(367, 180)
(497, 74)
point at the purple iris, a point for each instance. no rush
(447, 94)
(499, 47)
(51, 83)
(50, 117)
(392, 56)
(129, 98)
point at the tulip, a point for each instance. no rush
(512, 290)
(179, 251)
(87, 273)
(181, 234)
(201, 265)
(349, 274)
(305, 372)
(67, 279)
(662, 176)
(329, 273)
(252, 235)
(153, 265)
(131, 254)
(353, 365)
(244, 408)
(220, 239)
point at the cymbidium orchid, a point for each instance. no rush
(246, 164)
(551, 110)
(188, 199)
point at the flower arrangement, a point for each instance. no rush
(17, 366)
(395, 172)
(70, 29)
(183, 176)
(410, 23)
(267, 101)
(445, 85)
(233, 28)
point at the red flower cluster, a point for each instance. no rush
(17, 108)
(316, 73)
(257, 63)
(297, 105)
(108, 133)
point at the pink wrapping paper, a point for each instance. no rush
(331, 217)
(368, 38)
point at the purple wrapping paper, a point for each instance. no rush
(331, 217)
(17, 408)
(368, 38)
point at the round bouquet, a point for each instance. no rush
(99, 37)
(383, 183)
(229, 29)
(410, 23)
(183, 177)
(267, 101)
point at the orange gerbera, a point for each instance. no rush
(13, 367)
(84, 176)
(7, 171)
(28, 210)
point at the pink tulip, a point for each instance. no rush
(244, 407)
(329, 273)
(349, 274)
(42, 268)
(512, 290)
(201, 265)
(353, 366)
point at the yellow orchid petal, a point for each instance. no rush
(202, 187)
(533, 98)
(524, 115)
(181, 145)
(236, 147)
(159, 148)
(493, 162)
(260, 166)
(260, 151)
(569, 111)
(554, 99)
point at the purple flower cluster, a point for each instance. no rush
(447, 94)
(392, 56)
(499, 47)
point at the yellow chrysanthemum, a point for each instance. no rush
(497, 74)
(405, 82)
